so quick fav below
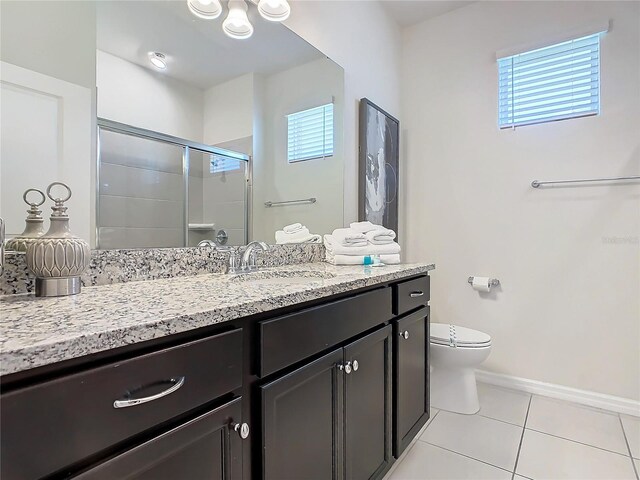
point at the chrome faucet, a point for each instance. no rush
(245, 265)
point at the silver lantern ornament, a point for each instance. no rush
(58, 258)
(34, 224)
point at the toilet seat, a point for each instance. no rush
(458, 337)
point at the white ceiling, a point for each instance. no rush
(411, 12)
(197, 51)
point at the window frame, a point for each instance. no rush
(594, 111)
(324, 146)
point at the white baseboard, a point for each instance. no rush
(584, 397)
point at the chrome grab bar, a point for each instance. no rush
(130, 402)
(538, 183)
(289, 202)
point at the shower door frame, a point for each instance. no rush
(187, 146)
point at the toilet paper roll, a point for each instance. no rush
(481, 284)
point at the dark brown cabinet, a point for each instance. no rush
(300, 412)
(367, 406)
(332, 390)
(77, 415)
(411, 377)
(331, 419)
(205, 448)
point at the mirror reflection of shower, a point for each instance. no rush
(155, 190)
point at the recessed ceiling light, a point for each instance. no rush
(237, 24)
(207, 9)
(158, 60)
(274, 10)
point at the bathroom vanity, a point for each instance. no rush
(302, 371)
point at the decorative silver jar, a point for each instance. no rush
(34, 228)
(58, 258)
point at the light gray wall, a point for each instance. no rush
(366, 42)
(55, 38)
(568, 258)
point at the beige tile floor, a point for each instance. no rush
(518, 436)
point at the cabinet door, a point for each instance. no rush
(301, 419)
(205, 448)
(368, 405)
(411, 386)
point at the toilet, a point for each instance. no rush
(455, 353)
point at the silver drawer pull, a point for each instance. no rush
(416, 294)
(130, 402)
(405, 335)
(356, 365)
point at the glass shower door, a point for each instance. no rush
(141, 192)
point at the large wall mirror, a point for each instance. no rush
(214, 139)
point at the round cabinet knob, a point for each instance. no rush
(347, 368)
(355, 365)
(405, 334)
(242, 429)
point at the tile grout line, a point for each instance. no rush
(524, 429)
(496, 419)
(576, 441)
(626, 440)
(464, 455)
(403, 456)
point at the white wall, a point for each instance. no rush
(568, 258)
(228, 123)
(305, 86)
(228, 110)
(64, 33)
(365, 41)
(138, 96)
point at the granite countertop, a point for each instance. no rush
(40, 331)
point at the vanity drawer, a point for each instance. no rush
(410, 295)
(79, 415)
(291, 338)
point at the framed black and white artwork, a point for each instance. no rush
(379, 162)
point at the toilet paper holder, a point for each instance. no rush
(494, 282)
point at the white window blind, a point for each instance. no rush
(552, 83)
(220, 163)
(310, 133)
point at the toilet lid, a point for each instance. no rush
(453, 335)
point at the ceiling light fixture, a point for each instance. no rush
(207, 9)
(237, 24)
(158, 60)
(274, 10)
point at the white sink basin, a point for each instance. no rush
(282, 278)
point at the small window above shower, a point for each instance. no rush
(220, 164)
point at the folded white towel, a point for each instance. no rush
(347, 237)
(293, 228)
(393, 259)
(364, 227)
(380, 236)
(368, 249)
(301, 237)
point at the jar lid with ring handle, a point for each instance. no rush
(34, 227)
(58, 258)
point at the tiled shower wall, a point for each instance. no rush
(141, 193)
(216, 198)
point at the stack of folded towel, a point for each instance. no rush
(350, 246)
(296, 233)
